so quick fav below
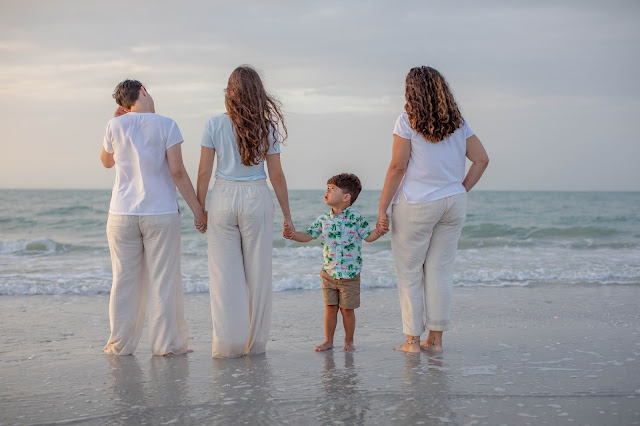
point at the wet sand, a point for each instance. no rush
(532, 355)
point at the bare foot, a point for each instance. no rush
(349, 347)
(408, 347)
(326, 345)
(430, 345)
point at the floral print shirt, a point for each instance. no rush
(341, 237)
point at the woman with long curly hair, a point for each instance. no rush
(240, 214)
(427, 188)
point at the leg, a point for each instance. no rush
(227, 283)
(168, 331)
(330, 322)
(411, 230)
(128, 292)
(439, 269)
(255, 221)
(349, 323)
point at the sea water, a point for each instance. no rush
(54, 242)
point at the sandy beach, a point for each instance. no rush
(519, 355)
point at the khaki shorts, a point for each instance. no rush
(344, 292)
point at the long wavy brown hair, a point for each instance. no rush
(431, 108)
(255, 115)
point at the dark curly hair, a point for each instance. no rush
(255, 115)
(348, 183)
(431, 108)
(126, 93)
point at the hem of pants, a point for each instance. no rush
(408, 332)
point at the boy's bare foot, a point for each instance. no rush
(326, 345)
(408, 347)
(349, 347)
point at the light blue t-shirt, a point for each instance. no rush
(220, 135)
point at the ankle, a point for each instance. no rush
(413, 340)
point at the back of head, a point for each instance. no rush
(255, 115)
(126, 93)
(430, 106)
(348, 183)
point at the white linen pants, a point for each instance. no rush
(145, 260)
(424, 240)
(240, 244)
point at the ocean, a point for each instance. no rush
(53, 242)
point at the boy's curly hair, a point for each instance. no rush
(348, 183)
(430, 106)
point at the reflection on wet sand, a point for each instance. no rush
(343, 399)
(424, 379)
(160, 398)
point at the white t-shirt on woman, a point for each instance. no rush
(139, 143)
(435, 170)
(220, 135)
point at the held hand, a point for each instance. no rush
(200, 222)
(288, 229)
(382, 225)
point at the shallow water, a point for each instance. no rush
(54, 242)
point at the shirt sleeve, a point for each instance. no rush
(467, 130)
(274, 141)
(315, 229)
(174, 136)
(363, 227)
(403, 127)
(107, 143)
(207, 136)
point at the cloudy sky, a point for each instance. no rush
(551, 88)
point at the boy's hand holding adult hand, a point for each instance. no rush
(120, 111)
(382, 224)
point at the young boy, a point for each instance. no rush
(341, 232)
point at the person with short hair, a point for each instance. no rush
(341, 232)
(143, 228)
(427, 188)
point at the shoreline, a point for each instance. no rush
(516, 355)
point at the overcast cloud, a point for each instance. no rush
(550, 88)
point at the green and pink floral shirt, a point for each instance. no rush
(341, 237)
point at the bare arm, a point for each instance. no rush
(279, 183)
(301, 237)
(207, 155)
(399, 160)
(479, 162)
(374, 235)
(184, 185)
(107, 159)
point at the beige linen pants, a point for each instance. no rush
(240, 242)
(424, 240)
(145, 260)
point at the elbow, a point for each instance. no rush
(178, 175)
(397, 169)
(484, 162)
(276, 178)
(108, 164)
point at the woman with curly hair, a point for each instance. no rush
(240, 214)
(427, 187)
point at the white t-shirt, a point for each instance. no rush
(139, 143)
(220, 135)
(435, 170)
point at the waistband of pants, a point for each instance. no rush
(257, 182)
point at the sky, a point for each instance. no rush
(551, 88)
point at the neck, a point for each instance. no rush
(140, 108)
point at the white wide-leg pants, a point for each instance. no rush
(240, 244)
(145, 260)
(424, 240)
